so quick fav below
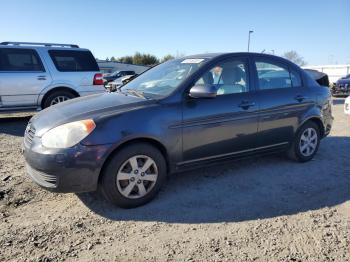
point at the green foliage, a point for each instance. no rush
(139, 59)
(125, 59)
(166, 58)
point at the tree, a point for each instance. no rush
(113, 59)
(144, 59)
(166, 58)
(294, 57)
(125, 59)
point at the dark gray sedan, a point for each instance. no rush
(184, 113)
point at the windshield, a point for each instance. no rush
(163, 79)
(115, 73)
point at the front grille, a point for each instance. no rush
(29, 135)
(41, 178)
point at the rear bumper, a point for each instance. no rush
(66, 170)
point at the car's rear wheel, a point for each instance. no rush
(58, 97)
(134, 175)
(306, 142)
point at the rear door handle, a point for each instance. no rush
(300, 98)
(41, 77)
(246, 104)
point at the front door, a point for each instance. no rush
(22, 77)
(224, 125)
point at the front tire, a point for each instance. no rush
(306, 143)
(134, 175)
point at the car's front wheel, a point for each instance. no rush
(306, 142)
(134, 175)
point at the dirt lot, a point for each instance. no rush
(261, 209)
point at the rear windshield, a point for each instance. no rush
(74, 61)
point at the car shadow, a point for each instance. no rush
(14, 126)
(250, 189)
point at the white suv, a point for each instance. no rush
(34, 76)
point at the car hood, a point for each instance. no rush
(92, 106)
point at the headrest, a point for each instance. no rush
(232, 75)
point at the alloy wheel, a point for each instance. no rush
(137, 176)
(59, 99)
(308, 142)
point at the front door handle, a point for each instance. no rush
(300, 98)
(246, 104)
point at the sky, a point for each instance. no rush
(317, 30)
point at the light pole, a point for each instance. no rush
(250, 31)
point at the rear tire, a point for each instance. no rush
(57, 97)
(306, 143)
(134, 175)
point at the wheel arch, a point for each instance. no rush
(147, 140)
(317, 120)
(55, 89)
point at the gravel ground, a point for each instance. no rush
(260, 209)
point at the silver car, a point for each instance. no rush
(34, 76)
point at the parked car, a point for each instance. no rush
(37, 75)
(342, 87)
(125, 143)
(117, 74)
(347, 105)
(116, 84)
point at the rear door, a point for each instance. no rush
(22, 77)
(283, 99)
(227, 124)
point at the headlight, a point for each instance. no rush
(68, 135)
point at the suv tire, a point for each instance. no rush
(306, 143)
(134, 175)
(57, 97)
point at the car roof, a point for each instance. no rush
(47, 46)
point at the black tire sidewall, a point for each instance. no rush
(47, 102)
(299, 156)
(108, 182)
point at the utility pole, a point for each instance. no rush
(250, 32)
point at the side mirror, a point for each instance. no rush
(203, 91)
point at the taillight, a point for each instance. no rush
(98, 79)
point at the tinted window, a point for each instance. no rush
(27, 60)
(273, 76)
(228, 77)
(74, 61)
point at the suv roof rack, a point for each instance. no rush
(39, 44)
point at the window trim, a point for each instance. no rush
(276, 63)
(37, 56)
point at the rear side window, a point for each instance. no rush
(18, 59)
(273, 76)
(74, 61)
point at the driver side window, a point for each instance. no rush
(228, 77)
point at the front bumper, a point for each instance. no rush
(74, 169)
